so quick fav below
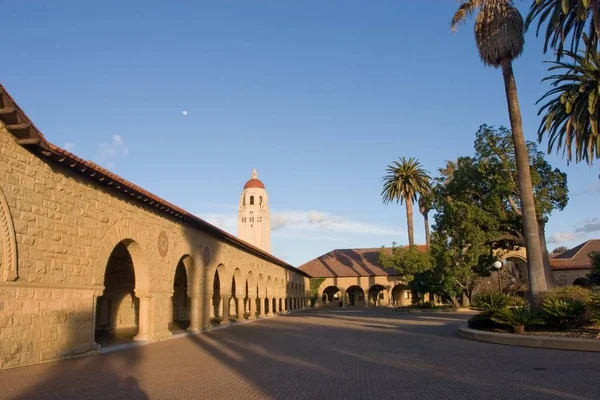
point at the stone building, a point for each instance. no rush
(87, 258)
(353, 277)
(254, 220)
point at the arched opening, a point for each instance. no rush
(377, 295)
(331, 297)
(356, 296)
(401, 296)
(117, 309)
(260, 200)
(581, 282)
(216, 298)
(180, 300)
(251, 200)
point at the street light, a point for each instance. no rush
(497, 266)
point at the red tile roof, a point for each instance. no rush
(577, 257)
(349, 263)
(27, 135)
(254, 183)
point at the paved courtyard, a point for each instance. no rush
(324, 354)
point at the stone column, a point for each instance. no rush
(225, 298)
(206, 311)
(144, 316)
(366, 299)
(239, 314)
(251, 307)
(195, 322)
(261, 301)
(270, 304)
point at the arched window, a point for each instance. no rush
(260, 200)
(251, 200)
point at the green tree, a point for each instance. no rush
(404, 182)
(571, 115)
(559, 250)
(499, 30)
(594, 275)
(496, 159)
(407, 260)
(566, 22)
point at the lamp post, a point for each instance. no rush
(497, 266)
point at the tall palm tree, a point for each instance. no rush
(567, 21)
(404, 182)
(572, 114)
(499, 32)
(424, 208)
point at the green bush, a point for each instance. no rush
(564, 313)
(593, 306)
(481, 322)
(488, 304)
(517, 318)
(569, 293)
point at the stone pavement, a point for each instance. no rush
(324, 354)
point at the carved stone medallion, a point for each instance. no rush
(163, 244)
(206, 255)
(8, 244)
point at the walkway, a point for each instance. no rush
(327, 354)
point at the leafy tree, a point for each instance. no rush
(408, 261)
(567, 22)
(594, 275)
(495, 159)
(499, 29)
(572, 112)
(560, 250)
(404, 182)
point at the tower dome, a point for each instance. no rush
(254, 221)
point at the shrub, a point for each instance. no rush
(569, 293)
(593, 307)
(517, 317)
(490, 303)
(565, 313)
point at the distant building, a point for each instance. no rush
(254, 221)
(572, 266)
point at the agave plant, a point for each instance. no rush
(488, 304)
(517, 318)
(567, 313)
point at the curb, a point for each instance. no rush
(544, 342)
(435, 310)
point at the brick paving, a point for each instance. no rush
(324, 354)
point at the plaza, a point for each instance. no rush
(327, 353)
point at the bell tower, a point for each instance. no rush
(254, 222)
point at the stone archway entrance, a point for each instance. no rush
(118, 310)
(216, 299)
(356, 296)
(180, 300)
(377, 295)
(401, 296)
(331, 297)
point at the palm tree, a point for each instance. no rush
(566, 21)
(572, 113)
(404, 181)
(424, 208)
(499, 32)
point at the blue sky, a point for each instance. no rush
(318, 96)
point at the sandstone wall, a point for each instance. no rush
(65, 229)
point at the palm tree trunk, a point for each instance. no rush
(547, 267)
(427, 233)
(409, 221)
(535, 263)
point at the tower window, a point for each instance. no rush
(260, 200)
(251, 200)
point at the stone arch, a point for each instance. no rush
(356, 296)
(219, 286)
(123, 308)
(181, 301)
(8, 243)
(401, 295)
(238, 292)
(331, 296)
(375, 294)
(135, 237)
(583, 282)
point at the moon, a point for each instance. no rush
(184, 112)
